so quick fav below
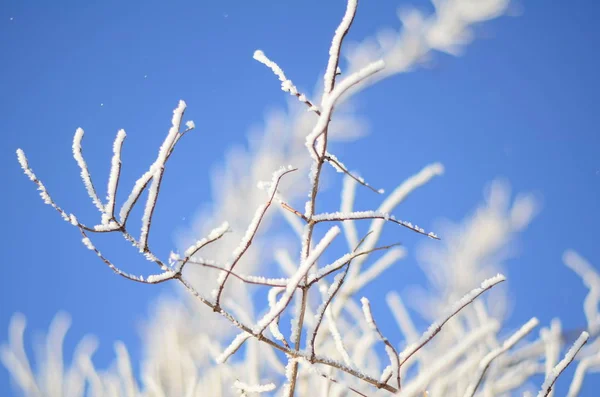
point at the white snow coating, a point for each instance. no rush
(237, 342)
(88, 243)
(334, 49)
(286, 84)
(337, 338)
(253, 388)
(85, 174)
(183, 344)
(435, 327)
(157, 170)
(295, 280)
(560, 367)
(508, 344)
(156, 278)
(113, 179)
(212, 236)
(25, 165)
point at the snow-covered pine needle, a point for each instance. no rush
(560, 367)
(508, 344)
(436, 327)
(113, 179)
(157, 170)
(85, 174)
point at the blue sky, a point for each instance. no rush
(521, 104)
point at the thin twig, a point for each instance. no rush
(437, 326)
(390, 349)
(250, 234)
(341, 217)
(341, 167)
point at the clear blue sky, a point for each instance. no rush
(522, 104)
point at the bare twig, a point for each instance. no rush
(253, 228)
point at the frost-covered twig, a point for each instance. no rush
(560, 367)
(85, 173)
(340, 167)
(470, 337)
(341, 217)
(323, 308)
(252, 228)
(389, 348)
(458, 306)
(113, 179)
(286, 84)
(157, 170)
(508, 344)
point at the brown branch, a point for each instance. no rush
(286, 206)
(341, 217)
(334, 161)
(326, 270)
(252, 235)
(157, 178)
(245, 279)
(332, 65)
(115, 269)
